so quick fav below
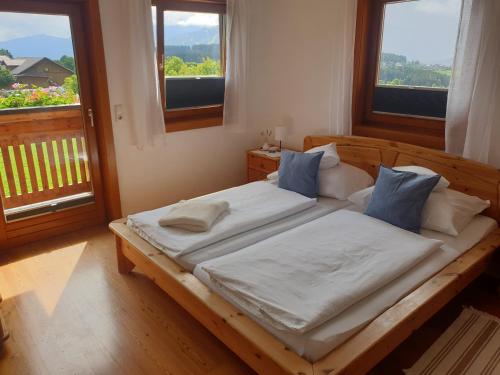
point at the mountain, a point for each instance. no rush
(54, 47)
(39, 46)
(178, 35)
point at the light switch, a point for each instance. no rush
(118, 112)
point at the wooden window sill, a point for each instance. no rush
(193, 118)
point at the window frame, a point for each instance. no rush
(181, 119)
(425, 131)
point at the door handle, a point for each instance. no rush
(91, 116)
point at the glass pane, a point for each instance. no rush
(192, 44)
(45, 168)
(418, 43)
(37, 64)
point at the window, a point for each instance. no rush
(191, 59)
(404, 57)
(418, 43)
(416, 57)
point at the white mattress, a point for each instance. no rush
(321, 340)
(240, 241)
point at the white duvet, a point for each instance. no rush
(299, 279)
(251, 206)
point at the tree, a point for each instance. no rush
(6, 78)
(71, 84)
(208, 67)
(176, 66)
(173, 66)
(396, 70)
(68, 62)
(4, 52)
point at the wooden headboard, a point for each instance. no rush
(464, 175)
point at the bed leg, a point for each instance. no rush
(124, 264)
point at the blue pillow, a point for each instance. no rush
(299, 172)
(399, 198)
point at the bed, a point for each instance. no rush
(258, 210)
(267, 354)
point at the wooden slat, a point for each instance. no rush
(31, 165)
(55, 216)
(62, 164)
(43, 170)
(20, 169)
(85, 156)
(9, 179)
(78, 161)
(71, 155)
(52, 163)
(8, 171)
(30, 116)
(50, 224)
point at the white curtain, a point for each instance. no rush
(473, 118)
(344, 34)
(238, 43)
(143, 107)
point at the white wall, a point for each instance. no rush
(292, 47)
(187, 164)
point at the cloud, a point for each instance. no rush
(201, 19)
(19, 25)
(445, 7)
(191, 19)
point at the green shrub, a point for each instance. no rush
(6, 78)
(20, 96)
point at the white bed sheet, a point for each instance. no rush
(324, 207)
(251, 206)
(321, 340)
(303, 277)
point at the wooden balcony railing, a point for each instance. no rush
(43, 156)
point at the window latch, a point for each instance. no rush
(91, 116)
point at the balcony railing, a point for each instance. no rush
(43, 156)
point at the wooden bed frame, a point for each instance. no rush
(266, 354)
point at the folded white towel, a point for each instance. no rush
(194, 216)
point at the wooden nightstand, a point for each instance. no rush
(260, 164)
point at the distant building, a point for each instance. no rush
(38, 71)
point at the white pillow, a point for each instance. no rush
(330, 157)
(442, 184)
(342, 181)
(272, 176)
(447, 211)
(362, 198)
(338, 182)
(450, 211)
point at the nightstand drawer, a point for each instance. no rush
(262, 164)
(255, 175)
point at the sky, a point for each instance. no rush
(424, 30)
(19, 25)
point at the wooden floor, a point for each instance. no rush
(70, 312)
